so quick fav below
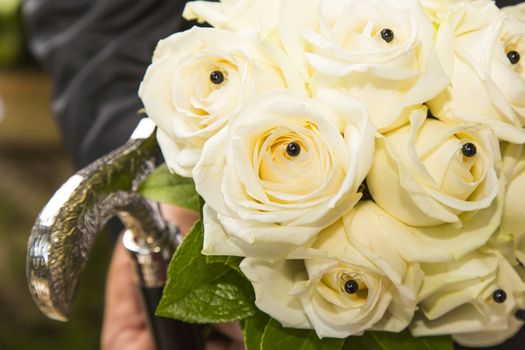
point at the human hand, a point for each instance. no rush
(125, 324)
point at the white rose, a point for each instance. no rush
(379, 51)
(479, 49)
(434, 8)
(421, 244)
(517, 11)
(474, 299)
(429, 172)
(512, 229)
(286, 167)
(513, 220)
(519, 249)
(235, 14)
(340, 290)
(188, 104)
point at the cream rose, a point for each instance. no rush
(429, 172)
(480, 50)
(435, 244)
(235, 15)
(512, 229)
(198, 80)
(379, 51)
(434, 8)
(474, 299)
(517, 11)
(519, 250)
(342, 289)
(513, 220)
(286, 167)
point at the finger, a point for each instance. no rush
(231, 329)
(183, 218)
(224, 345)
(235, 345)
(124, 325)
(216, 345)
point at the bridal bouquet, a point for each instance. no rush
(358, 166)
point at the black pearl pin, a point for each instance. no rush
(387, 35)
(469, 149)
(520, 315)
(216, 77)
(293, 149)
(499, 296)
(513, 56)
(351, 286)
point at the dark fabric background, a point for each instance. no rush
(96, 52)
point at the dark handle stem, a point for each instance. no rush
(170, 334)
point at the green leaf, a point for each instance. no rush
(394, 341)
(253, 329)
(199, 292)
(356, 342)
(163, 186)
(275, 337)
(221, 301)
(231, 261)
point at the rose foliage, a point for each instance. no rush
(358, 166)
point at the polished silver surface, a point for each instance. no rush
(150, 259)
(65, 229)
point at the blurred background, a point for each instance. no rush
(32, 166)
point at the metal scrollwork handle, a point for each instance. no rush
(65, 230)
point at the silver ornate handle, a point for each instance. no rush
(66, 227)
(65, 230)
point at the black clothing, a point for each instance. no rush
(96, 52)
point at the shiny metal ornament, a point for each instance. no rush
(65, 229)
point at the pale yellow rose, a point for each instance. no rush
(513, 220)
(512, 230)
(379, 51)
(285, 168)
(235, 15)
(435, 244)
(430, 173)
(517, 11)
(519, 250)
(479, 48)
(434, 8)
(341, 289)
(474, 299)
(198, 80)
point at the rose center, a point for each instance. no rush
(354, 286)
(351, 286)
(387, 35)
(513, 56)
(499, 296)
(293, 149)
(217, 77)
(289, 158)
(469, 150)
(514, 44)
